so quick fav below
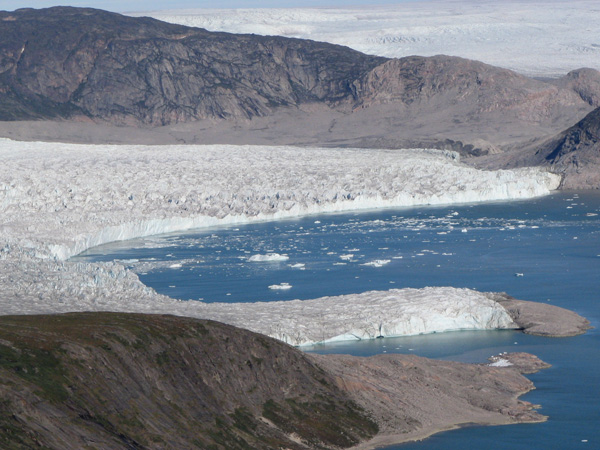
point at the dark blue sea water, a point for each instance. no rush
(546, 250)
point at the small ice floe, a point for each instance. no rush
(464, 230)
(280, 286)
(377, 263)
(591, 214)
(297, 266)
(518, 274)
(317, 221)
(127, 261)
(347, 257)
(500, 362)
(268, 257)
(175, 266)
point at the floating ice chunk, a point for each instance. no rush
(268, 257)
(377, 263)
(280, 286)
(297, 266)
(347, 257)
(175, 266)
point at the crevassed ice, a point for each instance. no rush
(57, 200)
(542, 38)
(369, 315)
(63, 198)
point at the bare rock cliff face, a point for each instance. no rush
(86, 63)
(575, 153)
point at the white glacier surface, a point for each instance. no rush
(369, 315)
(57, 200)
(537, 38)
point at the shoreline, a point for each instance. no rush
(440, 395)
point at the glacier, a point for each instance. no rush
(545, 38)
(369, 315)
(57, 200)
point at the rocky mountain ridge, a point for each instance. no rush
(76, 63)
(86, 75)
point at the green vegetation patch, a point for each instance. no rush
(37, 366)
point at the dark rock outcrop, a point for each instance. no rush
(575, 153)
(77, 63)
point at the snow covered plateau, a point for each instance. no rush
(545, 38)
(57, 200)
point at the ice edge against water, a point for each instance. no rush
(58, 200)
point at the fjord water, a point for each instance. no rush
(546, 250)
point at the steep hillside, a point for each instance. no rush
(575, 153)
(133, 381)
(85, 63)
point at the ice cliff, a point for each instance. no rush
(57, 200)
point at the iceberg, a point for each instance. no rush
(268, 257)
(377, 263)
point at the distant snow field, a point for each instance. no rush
(545, 38)
(57, 200)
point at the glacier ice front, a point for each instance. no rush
(369, 315)
(62, 199)
(57, 200)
